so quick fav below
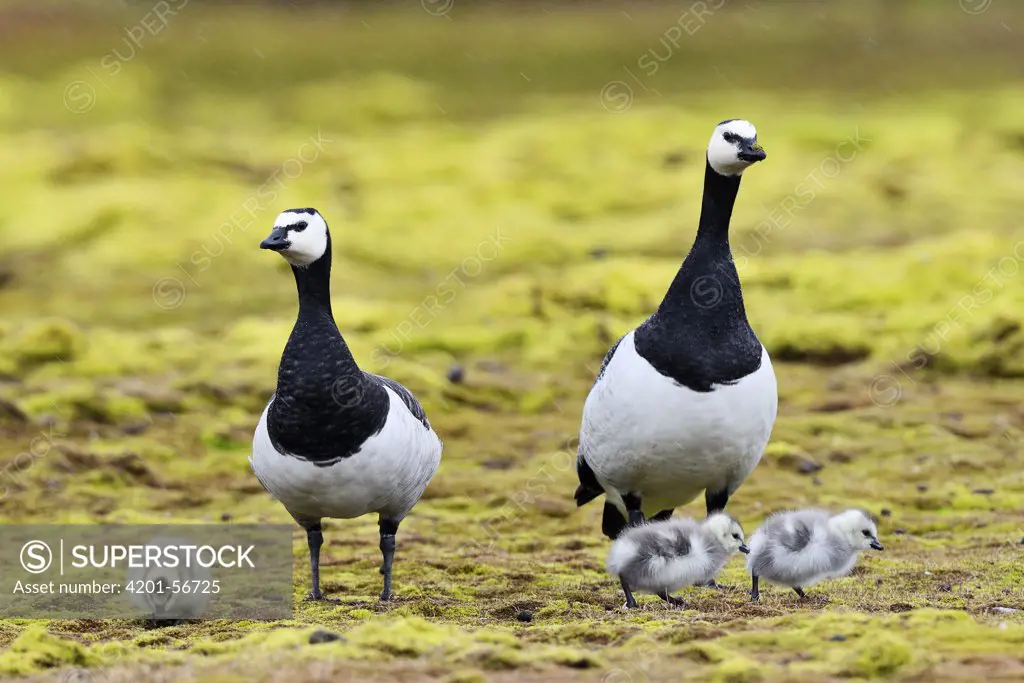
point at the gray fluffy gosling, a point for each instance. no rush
(802, 547)
(662, 557)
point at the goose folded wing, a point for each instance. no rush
(407, 398)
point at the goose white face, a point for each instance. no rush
(857, 529)
(299, 235)
(733, 147)
(728, 531)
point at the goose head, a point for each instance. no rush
(728, 532)
(733, 147)
(856, 528)
(299, 235)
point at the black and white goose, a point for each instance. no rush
(335, 441)
(686, 402)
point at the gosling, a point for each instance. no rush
(802, 547)
(662, 557)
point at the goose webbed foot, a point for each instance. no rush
(317, 596)
(672, 600)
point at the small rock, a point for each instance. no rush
(922, 487)
(899, 532)
(984, 492)
(456, 374)
(323, 636)
(886, 512)
(838, 638)
(598, 253)
(674, 159)
(525, 616)
(1004, 610)
(807, 466)
(226, 517)
(816, 481)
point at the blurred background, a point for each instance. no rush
(510, 187)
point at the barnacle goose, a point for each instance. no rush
(662, 557)
(685, 402)
(335, 441)
(800, 548)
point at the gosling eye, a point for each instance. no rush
(867, 534)
(736, 536)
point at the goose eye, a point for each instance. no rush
(867, 534)
(736, 536)
(298, 227)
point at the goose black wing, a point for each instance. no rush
(407, 398)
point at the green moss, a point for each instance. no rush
(706, 653)
(878, 655)
(738, 670)
(466, 676)
(409, 637)
(35, 650)
(46, 341)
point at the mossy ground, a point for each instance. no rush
(490, 210)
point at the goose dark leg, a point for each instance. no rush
(315, 540)
(662, 516)
(388, 529)
(755, 594)
(630, 600)
(675, 602)
(800, 591)
(632, 502)
(716, 502)
(612, 522)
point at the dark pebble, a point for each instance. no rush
(598, 253)
(525, 616)
(922, 487)
(322, 636)
(808, 466)
(838, 638)
(984, 492)
(226, 517)
(886, 512)
(674, 159)
(1022, 540)
(456, 374)
(899, 532)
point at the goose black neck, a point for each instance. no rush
(699, 336)
(314, 285)
(708, 276)
(716, 208)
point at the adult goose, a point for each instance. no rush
(684, 403)
(335, 441)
